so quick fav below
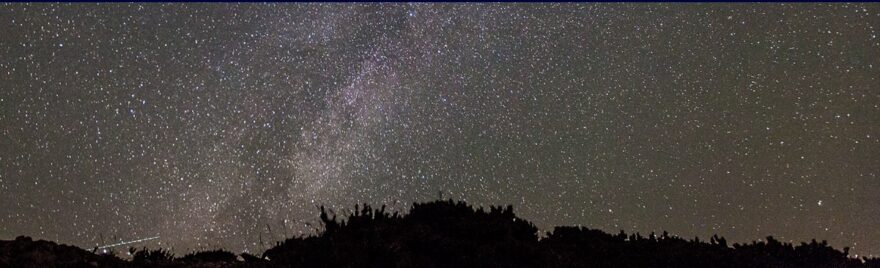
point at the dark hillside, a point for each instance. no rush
(454, 234)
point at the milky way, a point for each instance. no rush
(218, 125)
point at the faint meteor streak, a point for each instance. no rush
(128, 242)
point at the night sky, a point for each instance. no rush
(218, 125)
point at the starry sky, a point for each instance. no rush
(220, 125)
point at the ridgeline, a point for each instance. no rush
(454, 234)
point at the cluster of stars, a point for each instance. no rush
(227, 125)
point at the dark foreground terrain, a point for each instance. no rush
(453, 234)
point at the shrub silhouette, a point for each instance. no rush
(153, 257)
(438, 234)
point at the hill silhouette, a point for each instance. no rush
(454, 234)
